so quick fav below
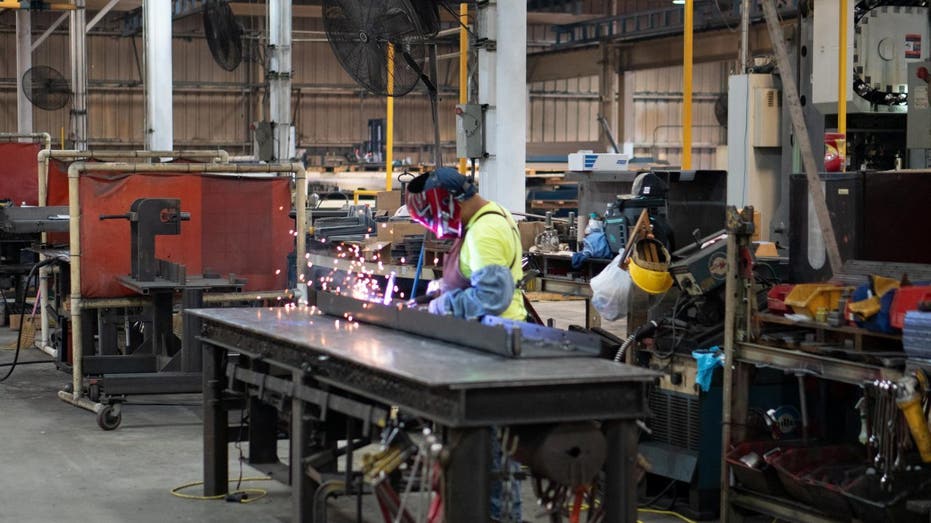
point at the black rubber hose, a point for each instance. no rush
(22, 307)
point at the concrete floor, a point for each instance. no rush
(58, 464)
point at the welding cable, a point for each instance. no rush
(643, 331)
(257, 492)
(22, 307)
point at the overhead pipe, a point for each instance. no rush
(45, 155)
(74, 173)
(45, 138)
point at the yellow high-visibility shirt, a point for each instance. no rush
(494, 240)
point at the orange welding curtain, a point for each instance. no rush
(237, 226)
(19, 167)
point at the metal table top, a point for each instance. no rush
(413, 358)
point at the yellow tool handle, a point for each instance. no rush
(918, 425)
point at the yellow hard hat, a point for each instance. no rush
(649, 266)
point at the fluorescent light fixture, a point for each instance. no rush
(678, 2)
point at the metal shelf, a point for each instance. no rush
(812, 364)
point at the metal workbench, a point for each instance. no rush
(271, 360)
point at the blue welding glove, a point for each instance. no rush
(491, 293)
(707, 361)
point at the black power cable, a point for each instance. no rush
(22, 307)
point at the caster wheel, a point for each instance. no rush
(108, 420)
(69, 388)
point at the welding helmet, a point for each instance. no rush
(434, 200)
(649, 266)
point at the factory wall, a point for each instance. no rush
(655, 126)
(214, 107)
(564, 112)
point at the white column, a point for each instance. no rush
(503, 86)
(23, 63)
(279, 74)
(78, 51)
(156, 27)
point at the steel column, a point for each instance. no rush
(744, 55)
(78, 42)
(279, 76)
(502, 63)
(156, 31)
(23, 63)
(466, 478)
(687, 65)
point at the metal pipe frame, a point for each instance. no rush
(76, 169)
(46, 140)
(45, 155)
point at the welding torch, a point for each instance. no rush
(423, 299)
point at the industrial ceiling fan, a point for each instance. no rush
(384, 45)
(46, 88)
(224, 35)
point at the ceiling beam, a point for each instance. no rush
(645, 54)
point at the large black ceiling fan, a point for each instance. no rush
(371, 38)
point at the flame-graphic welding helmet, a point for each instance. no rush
(434, 200)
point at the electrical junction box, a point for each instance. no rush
(591, 162)
(470, 130)
(767, 117)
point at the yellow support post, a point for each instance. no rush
(463, 66)
(842, 73)
(687, 86)
(389, 123)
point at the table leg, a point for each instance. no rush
(302, 487)
(466, 477)
(216, 424)
(191, 347)
(621, 472)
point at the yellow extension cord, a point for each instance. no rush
(665, 513)
(260, 493)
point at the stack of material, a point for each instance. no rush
(408, 248)
(916, 334)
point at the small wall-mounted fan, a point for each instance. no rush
(361, 33)
(224, 35)
(46, 88)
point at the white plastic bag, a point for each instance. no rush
(610, 290)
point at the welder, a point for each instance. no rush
(480, 276)
(481, 271)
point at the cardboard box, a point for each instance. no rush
(389, 201)
(528, 233)
(396, 231)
